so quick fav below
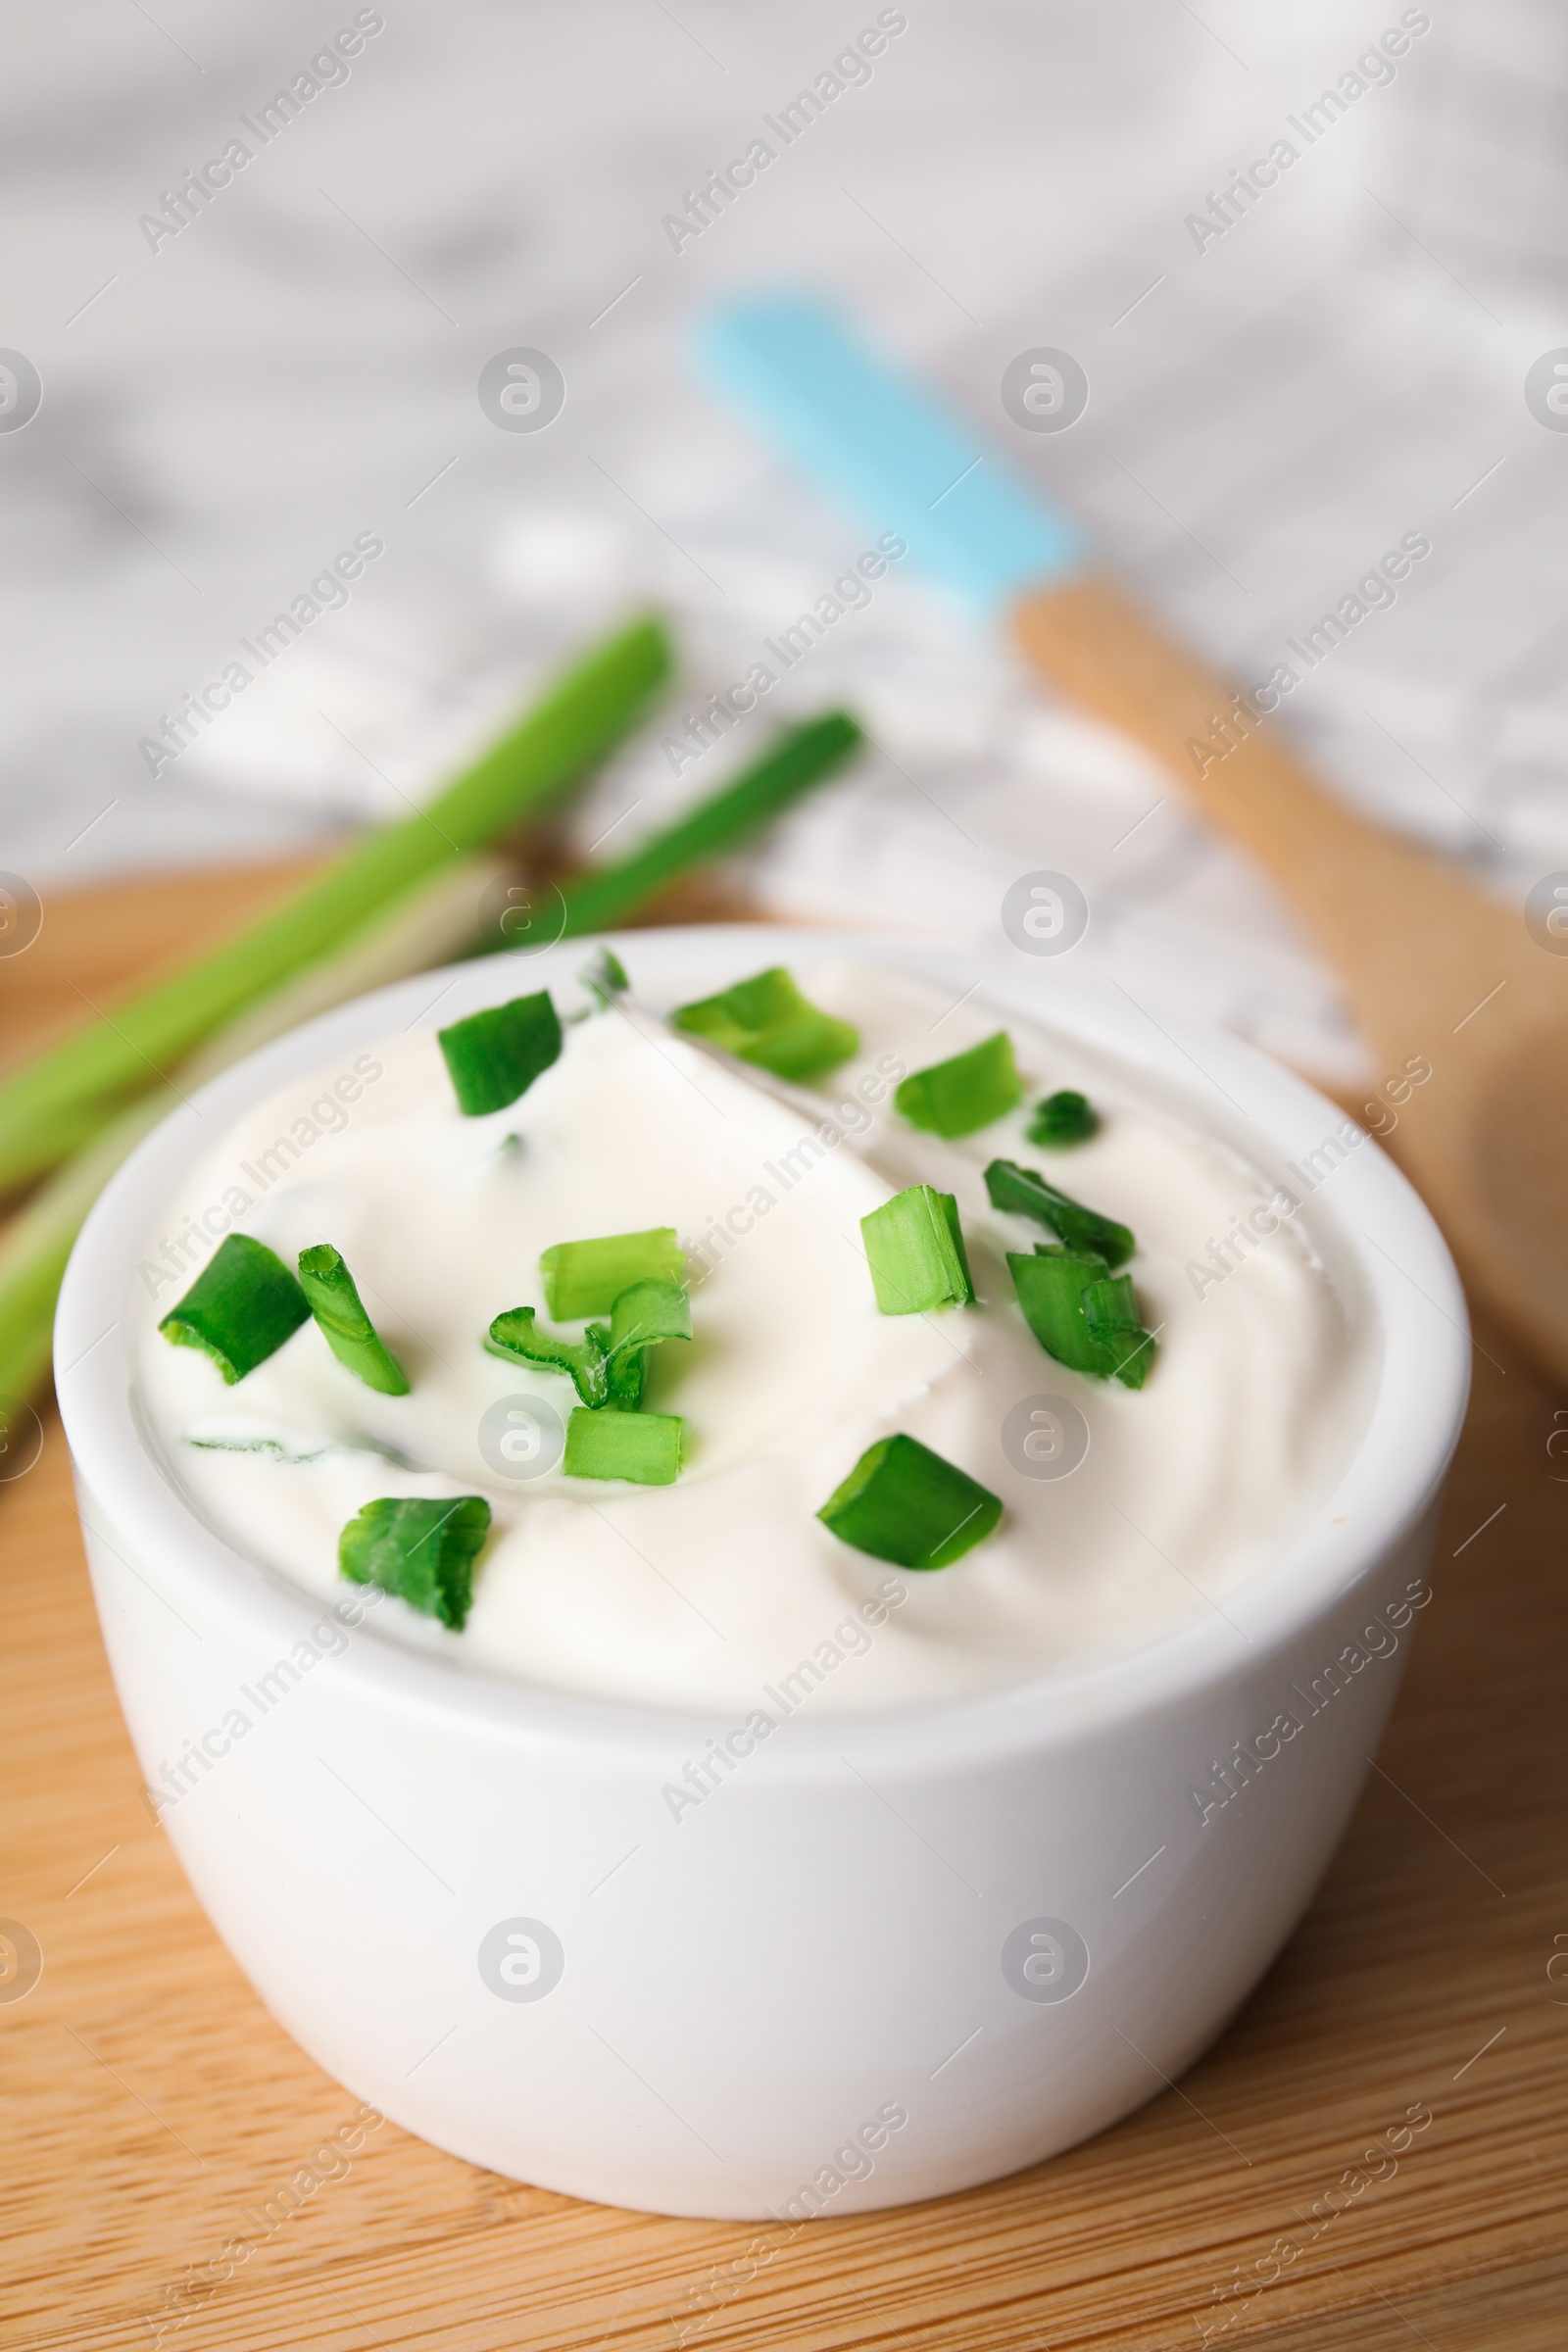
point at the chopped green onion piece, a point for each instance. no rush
(902, 1502)
(644, 1447)
(767, 1020)
(604, 978)
(1025, 1192)
(1053, 1287)
(421, 1547)
(1063, 1119)
(495, 1055)
(914, 1249)
(607, 1365)
(586, 1278)
(643, 1315)
(1050, 1286)
(1110, 1311)
(955, 1098)
(334, 1301)
(241, 1307)
(516, 1333)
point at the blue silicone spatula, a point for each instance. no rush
(1417, 945)
(886, 453)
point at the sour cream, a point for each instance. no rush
(1127, 1513)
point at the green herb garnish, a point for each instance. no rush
(1110, 1311)
(495, 1055)
(767, 1020)
(607, 1365)
(423, 1548)
(1050, 1286)
(645, 1448)
(902, 1502)
(641, 1317)
(518, 1334)
(274, 1447)
(586, 1278)
(334, 1300)
(914, 1249)
(1025, 1192)
(1063, 1119)
(241, 1307)
(1107, 1341)
(955, 1098)
(603, 979)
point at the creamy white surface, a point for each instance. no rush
(705, 1592)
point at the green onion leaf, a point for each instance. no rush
(603, 979)
(1054, 1288)
(516, 1333)
(421, 1547)
(334, 1301)
(800, 758)
(586, 710)
(955, 1098)
(642, 1316)
(586, 1278)
(241, 1307)
(914, 1249)
(1026, 1194)
(1063, 1119)
(767, 1020)
(606, 1366)
(495, 1055)
(644, 1447)
(1051, 1287)
(1110, 1311)
(902, 1502)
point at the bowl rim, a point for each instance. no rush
(1386, 1488)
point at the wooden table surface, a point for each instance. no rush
(148, 2098)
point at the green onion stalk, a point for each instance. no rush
(586, 713)
(410, 918)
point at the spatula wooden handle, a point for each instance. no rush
(1355, 885)
(1434, 966)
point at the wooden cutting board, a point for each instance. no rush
(149, 2100)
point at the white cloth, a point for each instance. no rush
(1270, 408)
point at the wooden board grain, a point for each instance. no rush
(151, 2108)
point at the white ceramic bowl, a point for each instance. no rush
(896, 1953)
